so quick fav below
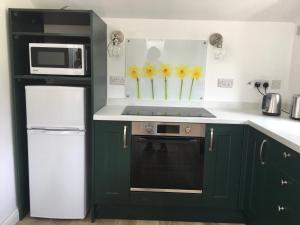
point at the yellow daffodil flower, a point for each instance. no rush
(134, 72)
(196, 72)
(149, 71)
(182, 71)
(165, 70)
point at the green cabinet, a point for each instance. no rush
(223, 155)
(111, 162)
(273, 187)
(221, 181)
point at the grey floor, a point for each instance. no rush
(34, 221)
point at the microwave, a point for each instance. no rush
(58, 59)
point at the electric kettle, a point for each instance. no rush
(295, 109)
(271, 104)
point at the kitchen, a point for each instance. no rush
(229, 142)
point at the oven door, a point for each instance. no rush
(167, 164)
(59, 59)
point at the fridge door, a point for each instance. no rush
(55, 107)
(57, 174)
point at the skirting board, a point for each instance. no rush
(12, 219)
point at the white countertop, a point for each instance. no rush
(282, 129)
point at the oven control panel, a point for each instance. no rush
(168, 129)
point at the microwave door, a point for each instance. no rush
(56, 59)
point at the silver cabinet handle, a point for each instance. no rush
(125, 137)
(283, 182)
(286, 155)
(211, 144)
(281, 208)
(261, 151)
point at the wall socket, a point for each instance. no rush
(117, 80)
(225, 83)
(258, 81)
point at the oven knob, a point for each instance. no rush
(187, 130)
(149, 129)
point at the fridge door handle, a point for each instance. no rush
(56, 132)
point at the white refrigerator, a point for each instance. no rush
(56, 151)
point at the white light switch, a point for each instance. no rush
(225, 83)
(117, 80)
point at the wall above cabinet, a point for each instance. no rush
(247, 10)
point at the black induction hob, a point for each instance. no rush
(166, 111)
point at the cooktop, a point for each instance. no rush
(166, 111)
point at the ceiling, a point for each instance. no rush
(239, 10)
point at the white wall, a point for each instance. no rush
(8, 208)
(294, 87)
(254, 50)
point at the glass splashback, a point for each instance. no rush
(165, 69)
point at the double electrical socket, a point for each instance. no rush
(225, 83)
(273, 84)
(116, 80)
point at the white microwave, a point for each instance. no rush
(58, 59)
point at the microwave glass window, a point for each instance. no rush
(56, 57)
(51, 58)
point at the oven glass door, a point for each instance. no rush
(51, 57)
(167, 164)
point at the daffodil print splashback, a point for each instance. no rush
(165, 69)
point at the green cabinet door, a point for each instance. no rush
(111, 162)
(256, 206)
(222, 167)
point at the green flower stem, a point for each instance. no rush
(191, 89)
(166, 88)
(181, 89)
(138, 88)
(152, 88)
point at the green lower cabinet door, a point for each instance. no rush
(111, 170)
(256, 203)
(222, 167)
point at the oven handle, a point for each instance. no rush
(174, 139)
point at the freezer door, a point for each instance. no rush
(57, 174)
(55, 107)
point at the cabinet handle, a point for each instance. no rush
(283, 182)
(125, 137)
(281, 208)
(211, 144)
(261, 151)
(286, 155)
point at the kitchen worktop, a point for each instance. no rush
(282, 129)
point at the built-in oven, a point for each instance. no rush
(58, 59)
(167, 157)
